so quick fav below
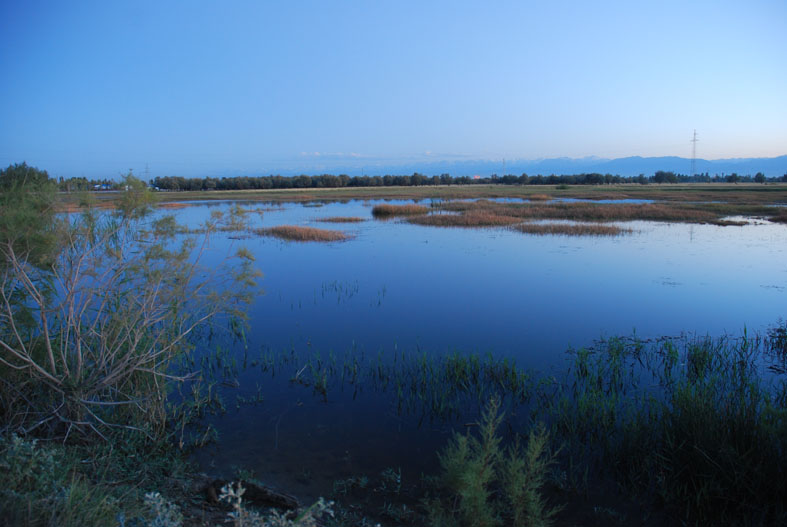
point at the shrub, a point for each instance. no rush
(490, 486)
(88, 339)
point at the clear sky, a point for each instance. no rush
(208, 87)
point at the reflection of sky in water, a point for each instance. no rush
(495, 290)
(401, 286)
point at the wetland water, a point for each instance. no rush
(396, 287)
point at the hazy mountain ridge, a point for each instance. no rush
(625, 166)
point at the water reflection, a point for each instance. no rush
(400, 287)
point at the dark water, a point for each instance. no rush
(396, 287)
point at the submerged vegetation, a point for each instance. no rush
(302, 234)
(696, 427)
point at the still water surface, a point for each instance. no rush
(401, 287)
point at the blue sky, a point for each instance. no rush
(207, 88)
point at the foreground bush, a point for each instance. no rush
(491, 486)
(89, 335)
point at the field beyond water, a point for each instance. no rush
(474, 355)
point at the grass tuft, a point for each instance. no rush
(571, 229)
(471, 219)
(341, 219)
(302, 234)
(390, 211)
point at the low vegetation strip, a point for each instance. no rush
(390, 211)
(571, 229)
(602, 212)
(471, 219)
(302, 234)
(341, 219)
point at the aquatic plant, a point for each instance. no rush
(388, 211)
(692, 422)
(470, 219)
(604, 212)
(302, 234)
(571, 229)
(341, 219)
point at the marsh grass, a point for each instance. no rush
(539, 197)
(693, 426)
(470, 219)
(692, 423)
(341, 219)
(606, 212)
(388, 210)
(173, 205)
(780, 216)
(571, 229)
(302, 234)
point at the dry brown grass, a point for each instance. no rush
(302, 234)
(571, 229)
(341, 219)
(390, 211)
(173, 205)
(585, 211)
(539, 197)
(469, 219)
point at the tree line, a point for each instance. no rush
(175, 183)
(416, 179)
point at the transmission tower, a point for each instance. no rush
(694, 153)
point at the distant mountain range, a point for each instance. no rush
(624, 166)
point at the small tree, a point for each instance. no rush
(759, 177)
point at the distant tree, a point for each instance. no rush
(733, 178)
(759, 177)
(662, 176)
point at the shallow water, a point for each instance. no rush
(401, 287)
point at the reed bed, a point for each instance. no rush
(539, 197)
(571, 229)
(471, 219)
(780, 217)
(173, 205)
(341, 219)
(584, 211)
(390, 211)
(302, 234)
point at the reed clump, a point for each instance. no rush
(470, 219)
(571, 229)
(387, 210)
(584, 211)
(691, 422)
(341, 219)
(302, 234)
